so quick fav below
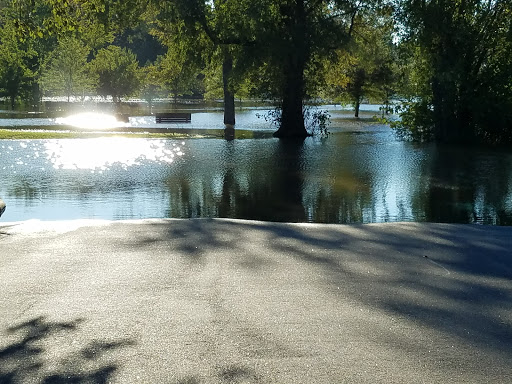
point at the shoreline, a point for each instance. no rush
(38, 223)
(136, 133)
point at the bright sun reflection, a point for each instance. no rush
(100, 154)
(90, 120)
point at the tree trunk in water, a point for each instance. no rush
(229, 97)
(358, 105)
(292, 118)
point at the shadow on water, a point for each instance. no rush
(281, 191)
(469, 186)
(30, 358)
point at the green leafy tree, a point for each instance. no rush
(16, 73)
(462, 51)
(118, 72)
(367, 68)
(298, 36)
(212, 34)
(174, 72)
(67, 69)
(284, 39)
(24, 50)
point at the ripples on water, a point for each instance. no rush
(352, 177)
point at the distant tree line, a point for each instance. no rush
(448, 63)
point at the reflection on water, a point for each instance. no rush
(355, 177)
(90, 120)
(101, 153)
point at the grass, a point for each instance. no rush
(44, 134)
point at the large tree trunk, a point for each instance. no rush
(292, 118)
(357, 107)
(229, 97)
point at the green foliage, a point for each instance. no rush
(16, 69)
(118, 72)
(214, 37)
(316, 120)
(175, 73)
(150, 84)
(461, 53)
(366, 68)
(67, 71)
(297, 38)
(416, 121)
(453, 63)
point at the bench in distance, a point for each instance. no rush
(173, 117)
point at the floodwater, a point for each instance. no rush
(359, 174)
(202, 118)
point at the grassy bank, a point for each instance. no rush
(26, 134)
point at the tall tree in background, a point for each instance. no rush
(118, 72)
(366, 68)
(24, 46)
(176, 75)
(67, 69)
(463, 51)
(281, 43)
(16, 75)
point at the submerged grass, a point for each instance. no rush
(15, 134)
(30, 134)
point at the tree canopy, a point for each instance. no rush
(118, 72)
(67, 70)
(447, 61)
(461, 52)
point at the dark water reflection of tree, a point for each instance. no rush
(276, 195)
(468, 186)
(343, 180)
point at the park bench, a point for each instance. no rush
(173, 117)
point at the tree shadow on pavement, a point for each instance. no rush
(31, 358)
(431, 286)
(232, 374)
(455, 280)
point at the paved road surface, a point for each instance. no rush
(224, 301)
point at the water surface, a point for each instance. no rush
(358, 175)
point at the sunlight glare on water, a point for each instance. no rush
(90, 120)
(101, 153)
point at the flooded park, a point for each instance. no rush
(360, 173)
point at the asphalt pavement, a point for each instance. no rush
(228, 301)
